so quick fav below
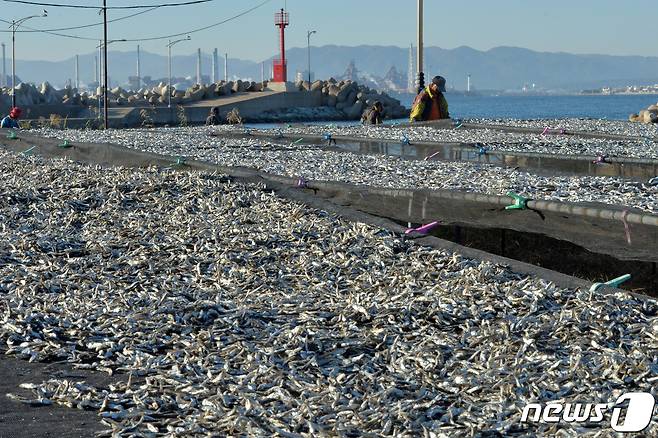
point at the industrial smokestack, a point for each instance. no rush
(77, 72)
(139, 70)
(215, 65)
(198, 67)
(4, 66)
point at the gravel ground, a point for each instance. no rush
(242, 314)
(313, 163)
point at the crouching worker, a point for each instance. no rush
(373, 116)
(213, 118)
(11, 121)
(430, 104)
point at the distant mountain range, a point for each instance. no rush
(500, 68)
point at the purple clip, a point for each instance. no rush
(562, 131)
(302, 183)
(425, 229)
(545, 131)
(601, 159)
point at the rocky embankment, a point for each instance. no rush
(344, 99)
(649, 115)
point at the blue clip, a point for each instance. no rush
(279, 134)
(458, 124)
(405, 140)
(483, 150)
(612, 283)
(653, 181)
(329, 139)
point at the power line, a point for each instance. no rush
(163, 37)
(79, 27)
(61, 5)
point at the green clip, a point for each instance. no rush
(64, 145)
(297, 141)
(520, 203)
(612, 283)
(12, 135)
(29, 151)
(180, 161)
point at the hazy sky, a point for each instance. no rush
(576, 26)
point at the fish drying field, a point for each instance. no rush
(229, 311)
(314, 163)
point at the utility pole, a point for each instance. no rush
(262, 72)
(226, 67)
(139, 70)
(105, 100)
(420, 80)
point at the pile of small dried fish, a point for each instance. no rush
(237, 313)
(314, 163)
(494, 139)
(599, 126)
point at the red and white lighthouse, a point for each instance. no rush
(281, 20)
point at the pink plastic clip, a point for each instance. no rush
(425, 229)
(432, 156)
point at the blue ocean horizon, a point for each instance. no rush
(608, 107)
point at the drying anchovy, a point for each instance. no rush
(232, 312)
(313, 163)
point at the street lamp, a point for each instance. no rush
(308, 43)
(169, 46)
(14, 25)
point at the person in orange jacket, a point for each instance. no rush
(431, 104)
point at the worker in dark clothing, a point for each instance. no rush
(373, 116)
(430, 104)
(11, 121)
(213, 118)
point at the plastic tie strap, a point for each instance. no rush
(12, 135)
(29, 151)
(64, 145)
(653, 181)
(279, 134)
(432, 156)
(425, 229)
(520, 203)
(612, 283)
(458, 124)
